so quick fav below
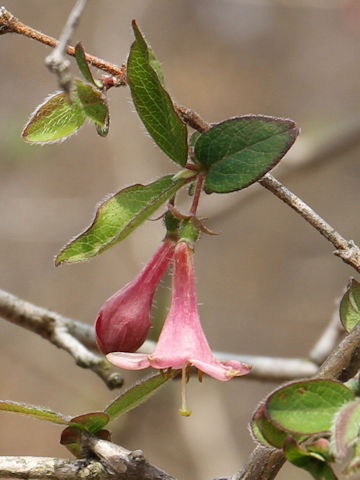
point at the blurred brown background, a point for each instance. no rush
(267, 284)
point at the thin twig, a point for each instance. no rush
(10, 24)
(335, 143)
(57, 61)
(347, 250)
(63, 332)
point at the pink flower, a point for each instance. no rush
(182, 342)
(123, 321)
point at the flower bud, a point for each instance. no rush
(123, 322)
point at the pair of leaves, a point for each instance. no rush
(93, 422)
(57, 118)
(293, 413)
(235, 153)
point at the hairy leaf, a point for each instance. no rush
(239, 151)
(346, 428)
(313, 463)
(117, 217)
(71, 439)
(93, 102)
(153, 103)
(103, 130)
(136, 395)
(267, 433)
(84, 66)
(350, 306)
(55, 119)
(91, 422)
(34, 411)
(307, 407)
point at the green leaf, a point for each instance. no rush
(257, 434)
(54, 120)
(311, 462)
(104, 130)
(91, 422)
(34, 411)
(346, 428)
(155, 64)
(194, 138)
(350, 306)
(93, 102)
(137, 394)
(265, 432)
(71, 439)
(307, 407)
(320, 446)
(84, 66)
(239, 151)
(117, 217)
(153, 103)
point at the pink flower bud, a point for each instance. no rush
(123, 322)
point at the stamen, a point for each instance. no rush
(200, 376)
(184, 410)
(188, 373)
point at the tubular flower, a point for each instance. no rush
(182, 342)
(123, 322)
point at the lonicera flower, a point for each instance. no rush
(182, 342)
(123, 322)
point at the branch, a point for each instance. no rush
(123, 462)
(112, 462)
(56, 61)
(347, 250)
(52, 468)
(10, 24)
(306, 155)
(115, 463)
(63, 332)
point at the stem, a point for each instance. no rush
(198, 189)
(57, 61)
(62, 332)
(184, 411)
(9, 23)
(347, 250)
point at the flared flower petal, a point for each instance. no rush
(123, 322)
(182, 342)
(129, 361)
